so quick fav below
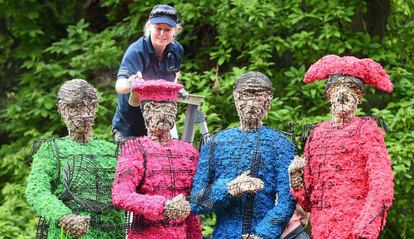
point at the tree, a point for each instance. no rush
(44, 44)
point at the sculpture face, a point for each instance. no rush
(79, 117)
(252, 105)
(344, 96)
(159, 116)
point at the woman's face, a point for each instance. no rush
(162, 35)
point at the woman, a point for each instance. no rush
(156, 55)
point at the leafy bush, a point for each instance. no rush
(45, 44)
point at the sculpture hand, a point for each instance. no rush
(250, 236)
(296, 172)
(244, 183)
(75, 225)
(177, 207)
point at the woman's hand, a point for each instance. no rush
(123, 85)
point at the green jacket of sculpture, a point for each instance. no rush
(45, 185)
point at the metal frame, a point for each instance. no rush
(193, 116)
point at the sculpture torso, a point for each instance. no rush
(159, 171)
(338, 178)
(83, 186)
(336, 165)
(232, 152)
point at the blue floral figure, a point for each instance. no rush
(242, 173)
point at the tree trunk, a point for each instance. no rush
(376, 17)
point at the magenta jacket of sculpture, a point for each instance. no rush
(348, 180)
(148, 174)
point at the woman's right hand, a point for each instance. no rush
(123, 85)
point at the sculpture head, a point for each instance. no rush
(77, 103)
(345, 93)
(159, 116)
(159, 106)
(253, 96)
(347, 77)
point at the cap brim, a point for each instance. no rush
(165, 20)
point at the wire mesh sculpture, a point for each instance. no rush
(70, 181)
(154, 173)
(242, 173)
(346, 182)
(173, 171)
(80, 184)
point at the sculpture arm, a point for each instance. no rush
(128, 174)
(39, 185)
(276, 219)
(380, 180)
(207, 194)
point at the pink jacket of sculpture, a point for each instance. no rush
(348, 182)
(148, 174)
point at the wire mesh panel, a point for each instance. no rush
(42, 229)
(87, 185)
(87, 188)
(149, 169)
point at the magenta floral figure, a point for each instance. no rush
(154, 172)
(347, 184)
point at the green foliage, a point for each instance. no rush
(208, 222)
(18, 221)
(45, 44)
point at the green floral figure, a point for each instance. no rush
(71, 177)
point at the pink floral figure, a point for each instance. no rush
(345, 180)
(154, 172)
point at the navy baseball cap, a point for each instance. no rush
(164, 14)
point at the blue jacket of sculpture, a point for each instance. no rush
(227, 155)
